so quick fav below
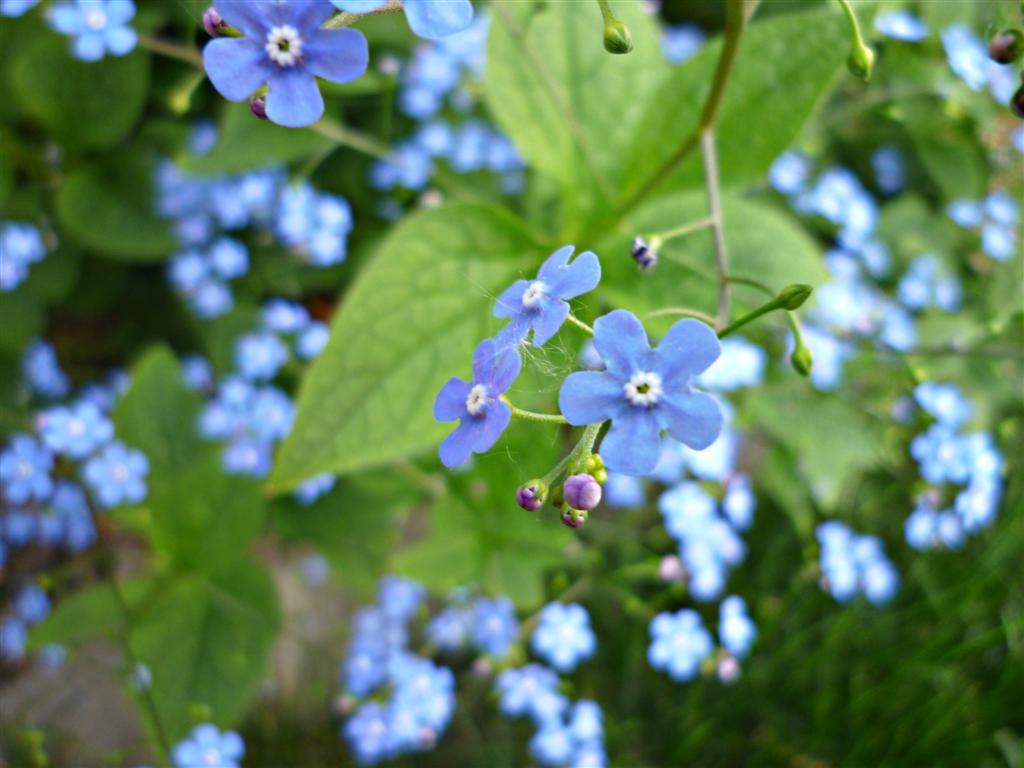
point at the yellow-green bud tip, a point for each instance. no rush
(617, 37)
(793, 296)
(802, 360)
(861, 61)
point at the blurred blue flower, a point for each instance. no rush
(531, 690)
(98, 26)
(427, 18)
(790, 172)
(12, 8)
(42, 372)
(76, 430)
(741, 364)
(284, 47)
(552, 744)
(206, 746)
(25, 467)
(117, 475)
(367, 733)
(494, 625)
(944, 402)
(890, 174)
(623, 491)
(941, 455)
(679, 643)
(852, 563)
(735, 628)
(312, 340)
(563, 636)
(21, 244)
(32, 604)
(739, 502)
(228, 258)
(280, 316)
(679, 42)
(967, 55)
(314, 488)
(259, 356)
(196, 372)
(901, 25)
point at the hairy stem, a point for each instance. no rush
(546, 418)
(704, 317)
(356, 140)
(580, 324)
(172, 50)
(707, 146)
(346, 19)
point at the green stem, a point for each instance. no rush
(606, 11)
(173, 50)
(659, 238)
(855, 35)
(764, 309)
(344, 135)
(546, 418)
(346, 19)
(707, 148)
(752, 283)
(581, 453)
(580, 324)
(681, 312)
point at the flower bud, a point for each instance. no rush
(1017, 103)
(258, 105)
(594, 463)
(801, 359)
(531, 495)
(643, 254)
(671, 569)
(582, 492)
(601, 475)
(861, 61)
(574, 518)
(1007, 46)
(214, 25)
(617, 37)
(728, 668)
(793, 296)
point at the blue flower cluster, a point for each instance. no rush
(968, 58)
(21, 245)
(98, 27)
(29, 606)
(208, 747)
(680, 644)
(41, 373)
(852, 564)
(488, 625)
(901, 25)
(997, 217)
(951, 462)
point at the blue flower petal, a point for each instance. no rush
(549, 321)
(305, 15)
(582, 276)
(89, 46)
(358, 6)
(338, 55)
(588, 397)
(66, 19)
(293, 97)
(496, 366)
(457, 447)
(631, 445)
(552, 267)
(692, 418)
(249, 16)
(510, 303)
(121, 41)
(496, 418)
(621, 341)
(450, 403)
(232, 746)
(236, 66)
(119, 12)
(438, 18)
(688, 348)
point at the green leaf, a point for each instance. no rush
(87, 614)
(108, 209)
(245, 142)
(21, 318)
(82, 104)
(207, 642)
(783, 69)
(571, 107)
(952, 157)
(410, 321)
(762, 242)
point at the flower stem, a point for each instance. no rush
(580, 324)
(764, 309)
(657, 239)
(752, 283)
(681, 312)
(546, 418)
(344, 135)
(346, 19)
(707, 148)
(172, 50)
(585, 446)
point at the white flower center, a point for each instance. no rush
(25, 469)
(534, 292)
(284, 46)
(95, 19)
(643, 388)
(119, 473)
(76, 427)
(476, 400)
(211, 757)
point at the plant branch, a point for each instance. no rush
(707, 147)
(172, 50)
(681, 312)
(346, 19)
(580, 324)
(547, 418)
(344, 135)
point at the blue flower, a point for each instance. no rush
(207, 746)
(13, 637)
(944, 402)
(367, 733)
(679, 643)
(623, 491)
(228, 258)
(196, 372)
(98, 26)
(427, 18)
(531, 690)
(482, 415)
(259, 356)
(644, 390)
(735, 627)
(563, 637)
(117, 475)
(741, 364)
(901, 25)
(450, 629)
(789, 172)
(42, 372)
(284, 47)
(739, 502)
(314, 488)
(542, 304)
(12, 8)
(850, 563)
(967, 55)
(552, 744)
(312, 340)
(494, 625)
(25, 470)
(21, 244)
(282, 316)
(76, 430)
(314, 224)
(890, 174)
(941, 455)
(680, 42)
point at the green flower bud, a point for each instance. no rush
(1007, 46)
(861, 61)
(801, 359)
(793, 296)
(601, 475)
(594, 463)
(617, 37)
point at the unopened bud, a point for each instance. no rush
(1007, 46)
(802, 360)
(643, 254)
(861, 61)
(671, 569)
(617, 37)
(574, 518)
(531, 495)
(582, 492)
(258, 105)
(594, 463)
(728, 668)
(601, 475)
(214, 25)
(1017, 103)
(793, 296)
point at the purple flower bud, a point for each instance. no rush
(258, 105)
(1007, 46)
(1017, 103)
(670, 569)
(582, 492)
(574, 518)
(643, 254)
(213, 23)
(531, 495)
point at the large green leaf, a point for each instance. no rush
(571, 107)
(784, 67)
(762, 242)
(94, 611)
(409, 322)
(80, 103)
(108, 209)
(207, 643)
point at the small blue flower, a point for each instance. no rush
(284, 47)
(482, 415)
(196, 372)
(552, 744)
(312, 340)
(399, 598)
(494, 625)
(790, 172)
(645, 390)
(741, 364)
(367, 733)
(98, 26)
(735, 627)
(967, 55)
(680, 42)
(941, 455)
(624, 491)
(563, 637)
(890, 174)
(542, 304)
(679, 643)
(76, 430)
(901, 25)
(13, 8)
(259, 356)
(314, 488)
(966, 213)
(280, 316)
(25, 470)
(228, 258)
(432, 19)
(739, 502)
(13, 637)
(117, 475)
(944, 402)
(531, 690)
(21, 244)
(208, 747)
(450, 629)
